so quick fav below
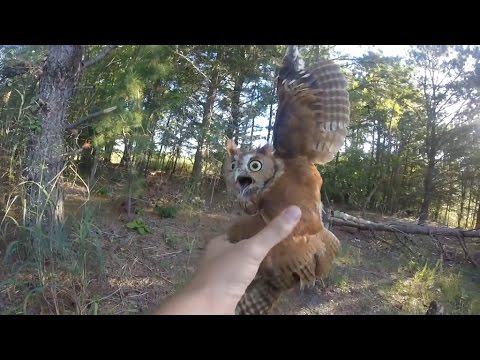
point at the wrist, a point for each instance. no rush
(210, 300)
(198, 299)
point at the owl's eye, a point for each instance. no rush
(254, 165)
(233, 165)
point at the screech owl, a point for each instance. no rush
(310, 127)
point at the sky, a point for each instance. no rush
(387, 50)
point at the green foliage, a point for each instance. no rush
(412, 119)
(88, 243)
(34, 124)
(166, 211)
(139, 226)
(428, 283)
(161, 90)
(103, 190)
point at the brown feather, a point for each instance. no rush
(302, 257)
(293, 262)
(310, 127)
(313, 114)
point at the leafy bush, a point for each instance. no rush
(139, 226)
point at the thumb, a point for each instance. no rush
(277, 230)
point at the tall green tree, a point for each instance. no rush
(444, 78)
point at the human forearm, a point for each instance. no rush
(195, 300)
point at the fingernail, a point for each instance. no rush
(293, 213)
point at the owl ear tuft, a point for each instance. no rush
(266, 149)
(232, 148)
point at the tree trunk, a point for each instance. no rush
(436, 213)
(428, 181)
(427, 193)
(317, 53)
(477, 223)
(233, 124)
(174, 166)
(166, 131)
(251, 132)
(270, 116)
(45, 161)
(126, 158)
(207, 117)
(94, 168)
(369, 197)
(462, 204)
(108, 152)
(372, 152)
(468, 207)
(270, 122)
(431, 148)
(393, 189)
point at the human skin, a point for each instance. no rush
(227, 269)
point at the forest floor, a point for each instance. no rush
(372, 275)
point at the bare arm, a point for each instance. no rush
(228, 269)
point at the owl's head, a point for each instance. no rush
(248, 173)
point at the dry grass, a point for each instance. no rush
(138, 272)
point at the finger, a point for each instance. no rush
(277, 230)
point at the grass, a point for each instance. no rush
(51, 267)
(402, 283)
(427, 283)
(135, 271)
(167, 211)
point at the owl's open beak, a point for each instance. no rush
(243, 182)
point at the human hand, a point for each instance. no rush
(227, 269)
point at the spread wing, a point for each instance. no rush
(313, 109)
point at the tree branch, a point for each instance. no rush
(10, 71)
(90, 117)
(405, 228)
(191, 63)
(104, 52)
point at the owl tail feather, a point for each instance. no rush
(303, 270)
(259, 298)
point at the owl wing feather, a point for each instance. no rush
(311, 122)
(313, 110)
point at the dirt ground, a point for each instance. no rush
(371, 275)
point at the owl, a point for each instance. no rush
(310, 127)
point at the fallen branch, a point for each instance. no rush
(406, 228)
(343, 219)
(404, 244)
(438, 243)
(87, 118)
(168, 253)
(465, 251)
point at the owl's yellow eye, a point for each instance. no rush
(254, 165)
